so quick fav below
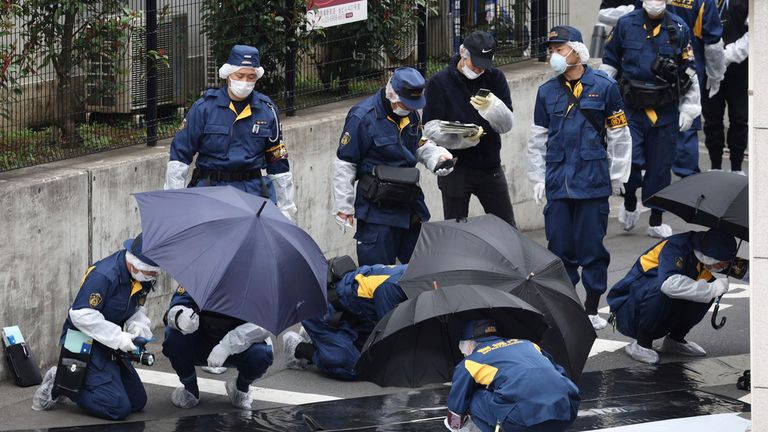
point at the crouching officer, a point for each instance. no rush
(235, 133)
(380, 147)
(579, 153)
(357, 299)
(202, 338)
(670, 289)
(508, 385)
(109, 308)
(650, 54)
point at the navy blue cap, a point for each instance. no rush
(719, 245)
(563, 34)
(244, 55)
(481, 46)
(134, 246)
(409, 84)
(478, 328)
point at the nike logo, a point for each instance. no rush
(486, 51)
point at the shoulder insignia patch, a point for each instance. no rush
(345, 138)
(679, 263)
(183, 124)
(181, 290)
(94, 300)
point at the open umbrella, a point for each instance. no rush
(713, 199)
(236, 254)
(417, 342)
(485, 250)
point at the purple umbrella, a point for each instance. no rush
(236, 254)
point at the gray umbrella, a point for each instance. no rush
(485, 250)
(236, 254)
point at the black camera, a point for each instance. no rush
(665, 69)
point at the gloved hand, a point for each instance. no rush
(456, 422)
(444, 171)
(713, 86)
(344, 221)
(126, 343)
(539, 194)
(618, 187)
(183, 319)
(475, 136)
(730, 54)
(139, 330)
(720, 287)
(481, 103)
(218, 356)
(685, 121)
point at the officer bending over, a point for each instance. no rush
(508, 385)
(202, 338)
(357, 299)
(235, 133)
(670, 289)
(109, 307)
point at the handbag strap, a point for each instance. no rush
(600, 129)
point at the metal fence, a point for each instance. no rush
(102, 75)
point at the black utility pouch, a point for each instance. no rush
(23, 365)
(391, 186)
(70, 373)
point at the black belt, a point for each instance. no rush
(229, 176)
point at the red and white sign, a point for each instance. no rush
(329, 13)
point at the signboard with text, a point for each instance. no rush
(329, 13)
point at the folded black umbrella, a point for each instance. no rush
(713, 199)
(417, 343)
(485, 250)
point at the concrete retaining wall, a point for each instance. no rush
(57, 218)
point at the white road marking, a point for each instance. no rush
(709, 423)
(747, 398)
(213, 386)
(606, 345)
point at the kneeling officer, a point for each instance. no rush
(109, 308)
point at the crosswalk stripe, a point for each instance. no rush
(207, 385)
(606, 345)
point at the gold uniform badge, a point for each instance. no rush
(679, 263)
(345, 139)
(181, 290)
(94, 300)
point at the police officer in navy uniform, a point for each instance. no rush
(733, 90)
(578, 156)
(356, 302)
(235, 133)
(384, 130)
(669, 290)
(508, 385)
(195, 337)
(650, 52)
(452, 95)
(109, 307)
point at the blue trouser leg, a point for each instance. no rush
(180, 350)
(111, 391)
(251, 363)
(659, 154)
(687, 160)
(383, 244)
(336, 353)
(480, 410)
(660, 315)
(559, 229)
(590, 224)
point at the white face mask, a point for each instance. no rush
(241, 89)
(141, 277)
(654, 8)
(469, 73)
(467, 346)
(402, 112)
(559, 63)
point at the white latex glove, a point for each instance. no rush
(713, 86)
(685, 122)
(126, 342)
(343, 221)
(218, 356)
(618, 187)
(183, 319)
(444, 171)
(139, 330)
(539, 194)
(481, 103)
(720, 287)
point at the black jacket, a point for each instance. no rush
(448, 94)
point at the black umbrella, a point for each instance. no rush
(485, 250)
(417, 342)
(713, 199)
